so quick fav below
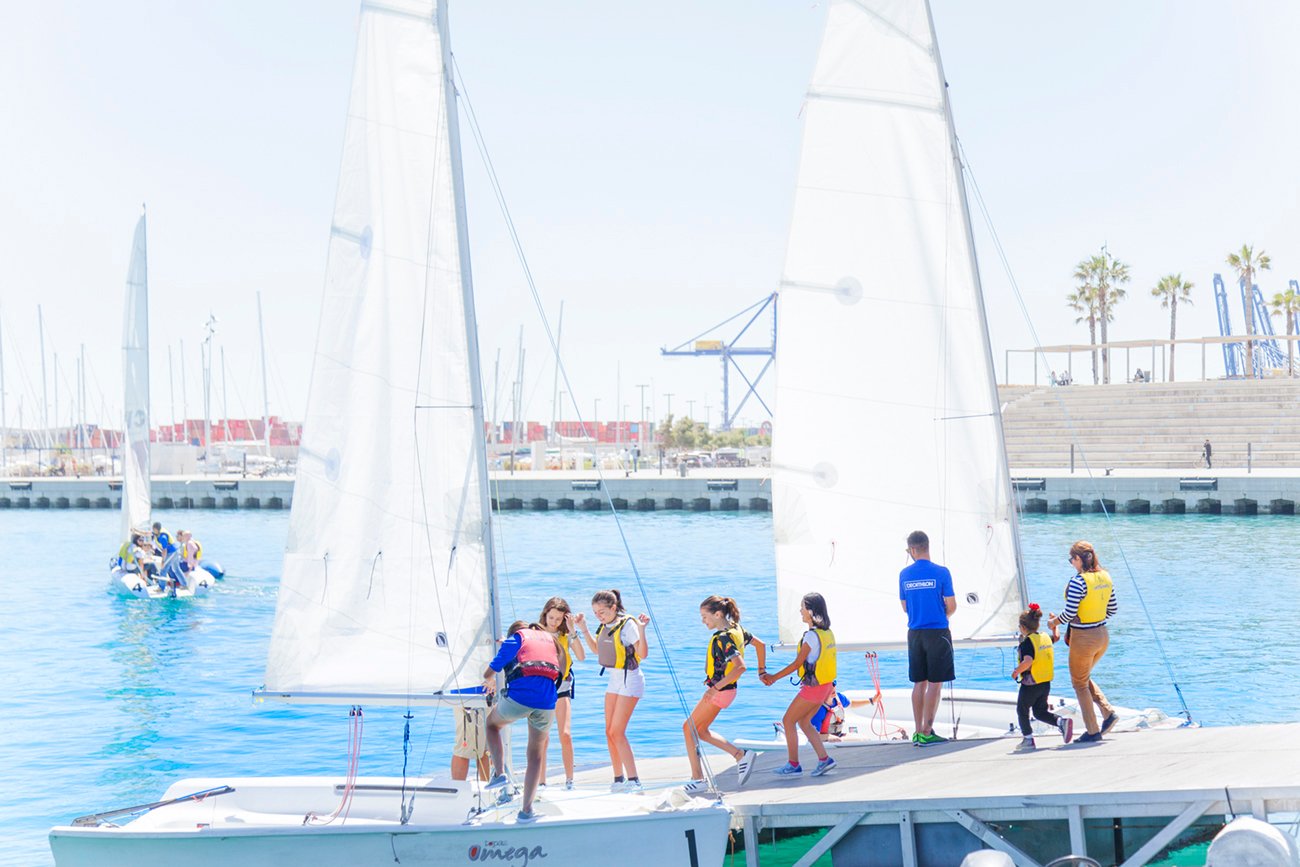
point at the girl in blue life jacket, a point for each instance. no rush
(557, 619)
(815, 663)
(620, 646)
(724, 663)
(1034, 672)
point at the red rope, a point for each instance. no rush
(881, 727)
(355, 727)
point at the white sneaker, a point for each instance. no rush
(634, 786)
(618, 786)
(568, 785)
(696, 787)
(745, 766)
(1026, 745)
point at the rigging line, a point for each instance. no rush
(481, 145)
(1070, 425)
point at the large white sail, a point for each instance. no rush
(887, 409)
(136, 493)
(386, 592)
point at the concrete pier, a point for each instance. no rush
(1047, 490)
(1123, 801)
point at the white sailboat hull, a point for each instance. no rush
(262, 823)
(964, 714)
(135, 584)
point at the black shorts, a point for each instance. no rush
(929, 656)
(565, 688)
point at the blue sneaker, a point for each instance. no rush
(823, 766)
(788, 770)
(525, 816)
(497, 782)
(1109, 722)
(1089, 738)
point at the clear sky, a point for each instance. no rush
(648, 154)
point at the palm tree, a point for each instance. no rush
(1288, 304)
(1106, 274)
(1083, 300)
(1170, 290)
(1246, 262)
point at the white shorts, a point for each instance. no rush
(624, 682)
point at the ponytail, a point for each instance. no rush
(1031, 617)
(609, 597)
(1087, 555)
(723, 605)
(816, 605)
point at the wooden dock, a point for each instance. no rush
(918, 806)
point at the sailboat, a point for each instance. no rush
(887, 413)
(388, 593)
(137, 492)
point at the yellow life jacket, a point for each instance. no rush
(710, 663)
(563, 638)
(1044, 656)
(823, 670)
(1092, 608)
(125, 553)
(610, 649)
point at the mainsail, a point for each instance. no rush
(386, 595)
(136, 493)
(888, 418)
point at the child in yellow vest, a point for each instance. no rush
(1034, 672)
(815, 663)
(724, 663)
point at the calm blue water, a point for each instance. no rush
(110, 699)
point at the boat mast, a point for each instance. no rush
(555, 380)
(266, 399)
(471, 323)
(995, 402)
(4, 410)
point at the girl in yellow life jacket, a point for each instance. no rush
(816, 665)
(1034, 672)
(557, 619)
(620, 645)
(724, 663)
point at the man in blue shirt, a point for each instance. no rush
(530, 657)
(925, 591)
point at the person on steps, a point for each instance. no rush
(620, 645)
(1089, 605)
(530, 657)
(1034, 673)
(724, 663)
(926, 594)
(816, 665)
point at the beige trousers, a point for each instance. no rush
(1087, 647)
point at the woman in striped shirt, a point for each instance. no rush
(1089, 604)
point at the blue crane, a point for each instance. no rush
(1267, 353)
(730, 352)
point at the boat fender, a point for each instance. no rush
(1248, 842)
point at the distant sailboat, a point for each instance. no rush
(388, 593)
(887, 414)
(137, 490)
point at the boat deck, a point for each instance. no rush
(1178, 774)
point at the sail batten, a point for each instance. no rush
(137, 494)
(888, 416)
(386, 591)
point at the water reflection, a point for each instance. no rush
(154, 651)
